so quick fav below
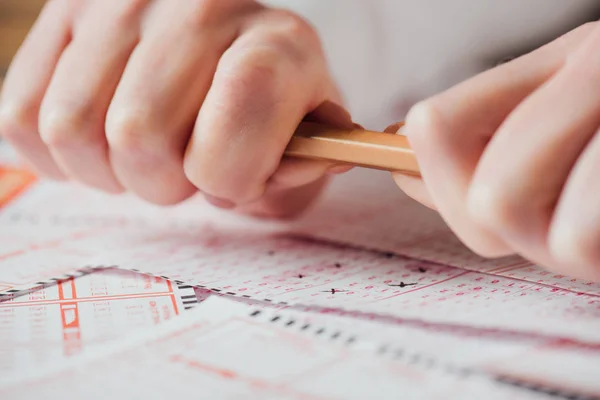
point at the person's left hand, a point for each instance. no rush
(511, 158)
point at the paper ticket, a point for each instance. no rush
(362, 208)
(227, 350)
(76, 315)
(287, 270)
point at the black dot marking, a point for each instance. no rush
(402, 284)
(275, 318)
(305, 327)
(422, 270)
(320, 331)
(300, 276)
(255, 313)
(389, 255)
(290, 322)
(351, 339)
(336, 335)
(337, 265)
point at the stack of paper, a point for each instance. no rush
(405, 309)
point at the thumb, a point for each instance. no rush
(413, 186)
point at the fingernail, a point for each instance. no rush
(394, 128)
(219, 202)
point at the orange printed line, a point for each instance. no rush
(69, 313)
(173, 299)
(61, 294)
(84, 299)
(223, 373)
(12, 183)
(73, 289)
(12, 254)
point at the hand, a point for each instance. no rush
(167, 97)
(511, 158)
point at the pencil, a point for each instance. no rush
(358, 147)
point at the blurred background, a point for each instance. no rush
(16, 17)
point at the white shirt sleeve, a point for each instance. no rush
(388, 54)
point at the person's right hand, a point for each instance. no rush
(165, 98)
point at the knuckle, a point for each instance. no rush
(489, 205)
(424, 125)
(61, 128)
(293, 25)
(125, 131)
(291, 36)
(128, 12)
(206, 13)
(134, 136)
(17, 121)
(255, 74)
(573, 244)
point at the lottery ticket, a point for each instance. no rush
(292, 271)
(363, 209)
(231, 350)
(76, 315)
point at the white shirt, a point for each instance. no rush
(388, 54)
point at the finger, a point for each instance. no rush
(266, 82)
(26, 83)
(295, 172)
(414, 187)
(164, 84)
(543, 137)
(288, 202)
(574, 239)
(297, 182)
(450, 132)
(74, 109)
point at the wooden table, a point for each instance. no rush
(16, 17)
